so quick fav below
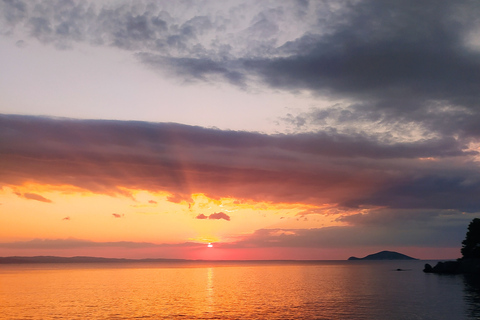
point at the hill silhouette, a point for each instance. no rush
(384, 255)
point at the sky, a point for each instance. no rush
(269, 129)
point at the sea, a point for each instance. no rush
(385, 290)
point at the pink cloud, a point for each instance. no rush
(219, 215)
(34, 196)
(214, 216)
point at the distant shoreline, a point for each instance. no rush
(86, 259)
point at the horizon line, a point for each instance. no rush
(93, 259)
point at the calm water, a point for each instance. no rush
(320, 290)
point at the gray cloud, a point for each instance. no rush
(428, 191)
(403, 217)
(192, 69)
(404, 63)
(179, 29)
(435, 232)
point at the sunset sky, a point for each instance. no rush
(270, 129)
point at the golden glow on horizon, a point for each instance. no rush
(62, 212)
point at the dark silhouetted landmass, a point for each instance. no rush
(471, 266)
(384, 255)
(470, 260)
(50, 259)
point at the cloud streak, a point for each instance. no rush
(34, 196)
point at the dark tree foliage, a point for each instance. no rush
(471, 244)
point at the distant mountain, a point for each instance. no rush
(50, 259)
(384, 255)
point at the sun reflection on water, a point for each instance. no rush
(210, 290)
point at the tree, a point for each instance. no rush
(471, 244)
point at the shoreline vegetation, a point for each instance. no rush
(469, 263)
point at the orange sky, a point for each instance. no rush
(65, 212)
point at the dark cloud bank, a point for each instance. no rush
(316, 168)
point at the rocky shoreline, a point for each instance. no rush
(460, 266)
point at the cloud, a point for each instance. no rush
(20, 44)
(179, 197)
(435, 232)
(66, 218)
(404, 63)
(118, 215)
(428, 191)
(353, 171)
(393, 66)
(375, 227)
(194, 69)
(219, 215)
(403, 76)
(214, 216)
(152, 202)
(34, 196)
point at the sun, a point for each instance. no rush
(210, 245)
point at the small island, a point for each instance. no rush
(469, 263)
(384, 255)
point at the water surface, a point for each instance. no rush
(236, 290)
